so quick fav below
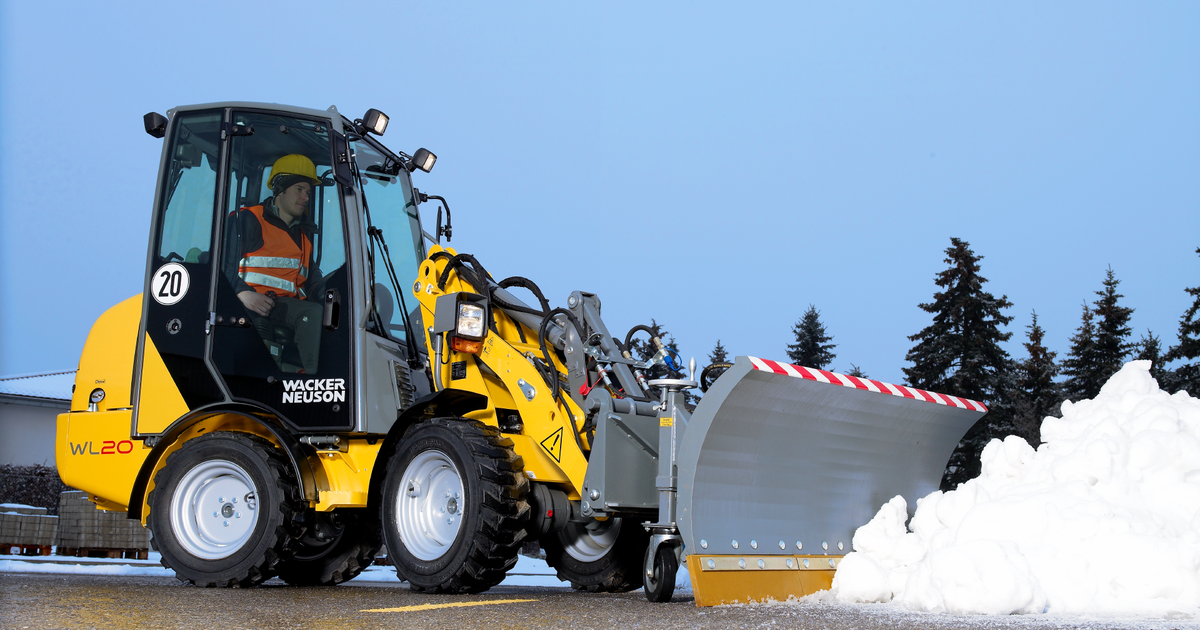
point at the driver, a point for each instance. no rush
(268, 259)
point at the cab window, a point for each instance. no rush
(190, 188)
(281, 251)
(389, 197)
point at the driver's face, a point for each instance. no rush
(293, 201)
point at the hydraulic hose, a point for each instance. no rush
(525, 283)
(552, 375)
(633, 331)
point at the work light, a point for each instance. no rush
(464, 316)
(423, 159)
(469, 323)
(375, 121)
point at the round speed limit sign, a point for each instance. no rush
(169, 284)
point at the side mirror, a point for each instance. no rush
(156, 124)
(341, 160)
(424, 160)
(375, 121)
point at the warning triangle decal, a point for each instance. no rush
(553, 445)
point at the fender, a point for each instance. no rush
(448, 402)
(169, 438)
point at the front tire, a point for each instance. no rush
(599, 557)
(222, 512)
(454, 506)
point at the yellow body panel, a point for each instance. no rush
(343, 479)
(539, 466)
(94, 454)
(547, 445)
(159, 401)
(741, 580)
(107, 359)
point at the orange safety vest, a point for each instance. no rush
(279, 265)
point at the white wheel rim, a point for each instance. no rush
(214, 509)
(589, 543)
(430, 505)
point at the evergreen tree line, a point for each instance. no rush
(959, 353)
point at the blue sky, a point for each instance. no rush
(715, 167)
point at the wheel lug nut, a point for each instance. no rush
(214, 515)
(221, 500)
(226, 523)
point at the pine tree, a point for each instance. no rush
(960, 353)
(1149, 348)
(1100, 345)
(812, 347)
(1081, 366)
(1038, 395)
(1112, 329)
(718, 354)
(856, 372)
(1187, 376)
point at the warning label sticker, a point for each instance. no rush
(553, 445)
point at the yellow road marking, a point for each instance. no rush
(448, 605)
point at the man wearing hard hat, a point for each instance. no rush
(268, 258)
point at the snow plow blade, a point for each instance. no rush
(780, 464)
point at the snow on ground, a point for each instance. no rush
(1103, 518)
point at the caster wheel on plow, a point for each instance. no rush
(660, 584)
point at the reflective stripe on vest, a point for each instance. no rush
(274, 262)
(271, 281)
(280, 265)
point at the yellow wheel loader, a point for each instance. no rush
(309, 375)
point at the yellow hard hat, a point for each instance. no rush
(293, 164)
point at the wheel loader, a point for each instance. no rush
(394, 392)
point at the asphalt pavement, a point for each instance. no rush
(30, 600)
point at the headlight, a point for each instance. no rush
(469, 322)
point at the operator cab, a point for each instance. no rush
(259, 299)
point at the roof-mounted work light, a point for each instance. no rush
(423, 159)
(156, 124)
(375, 121)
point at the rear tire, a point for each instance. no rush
(454, 506)
(222, 512)
(352, 538)
(601, 557)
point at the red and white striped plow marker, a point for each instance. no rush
(871, 385)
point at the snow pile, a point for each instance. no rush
(1104, 517)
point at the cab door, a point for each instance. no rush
(295, 361)
(171, 375)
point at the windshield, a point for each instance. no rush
(389, 198)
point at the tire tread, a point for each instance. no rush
(505, 511)
(283, 538)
